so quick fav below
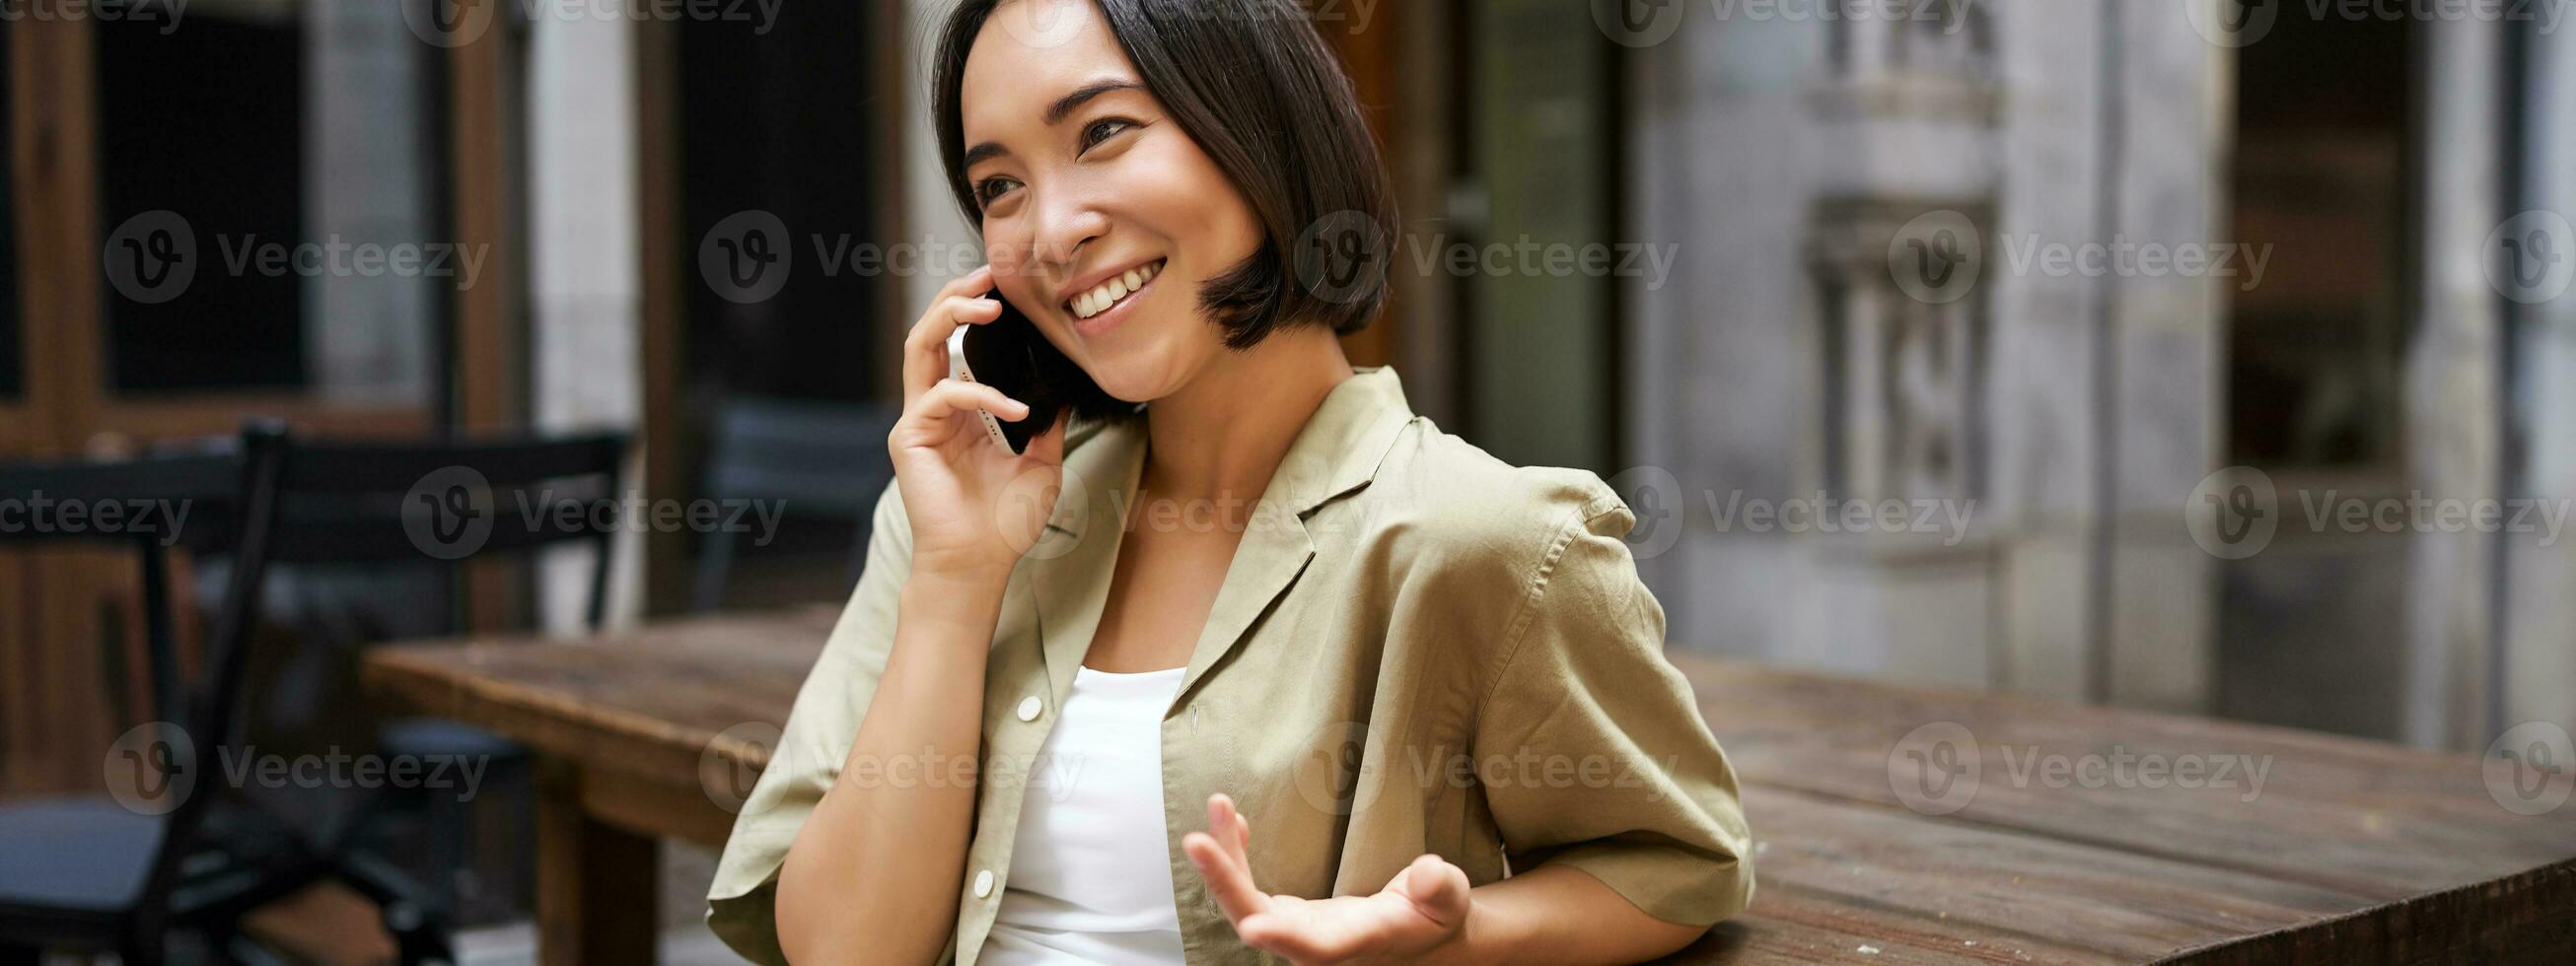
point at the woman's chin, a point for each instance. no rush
(1135, 376)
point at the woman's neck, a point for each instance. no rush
(1222, 436)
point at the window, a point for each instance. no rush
(205, 124)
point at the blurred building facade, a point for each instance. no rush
(1864, 205)
(1850, 195)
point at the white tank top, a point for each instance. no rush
(1091, 867)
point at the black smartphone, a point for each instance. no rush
(1010, 354)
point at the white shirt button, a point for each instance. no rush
(984, 884)
(1029, 708)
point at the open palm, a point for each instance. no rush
(1422, 909)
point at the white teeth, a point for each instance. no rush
(1111, 292)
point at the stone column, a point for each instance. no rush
(2540, 615)
(2166, 335)
(2452, 380)
(584, 285)
(368, 165)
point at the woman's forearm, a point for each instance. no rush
(1560, 914)
(874, 874)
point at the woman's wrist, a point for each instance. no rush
(1482, 938)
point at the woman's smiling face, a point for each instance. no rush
(1102, 216)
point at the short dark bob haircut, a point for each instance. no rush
(1254, 85)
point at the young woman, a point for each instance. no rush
(1276, 667)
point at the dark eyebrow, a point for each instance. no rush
(1066, 105)
(1055, 114)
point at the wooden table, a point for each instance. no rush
(1876, 843)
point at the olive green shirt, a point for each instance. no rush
(1417, 648)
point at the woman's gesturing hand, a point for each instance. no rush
(975, 507)
(1424, 909)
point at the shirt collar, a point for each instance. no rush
(1339, 450)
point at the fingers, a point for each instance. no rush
(1229, 884)
(1222, 815)
(926, 421)
(1224, 867)
(925, 348)
(1438, 889)
(1048, 447)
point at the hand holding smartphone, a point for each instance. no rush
(1009, 354)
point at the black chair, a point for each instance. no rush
(819, 460)
(99, 873)
(341, 503)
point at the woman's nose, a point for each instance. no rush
(1066, 221)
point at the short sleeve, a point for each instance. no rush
(742, 908)
(1595, 755)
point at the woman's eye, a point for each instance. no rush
(990, 190)
(1102, 130)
